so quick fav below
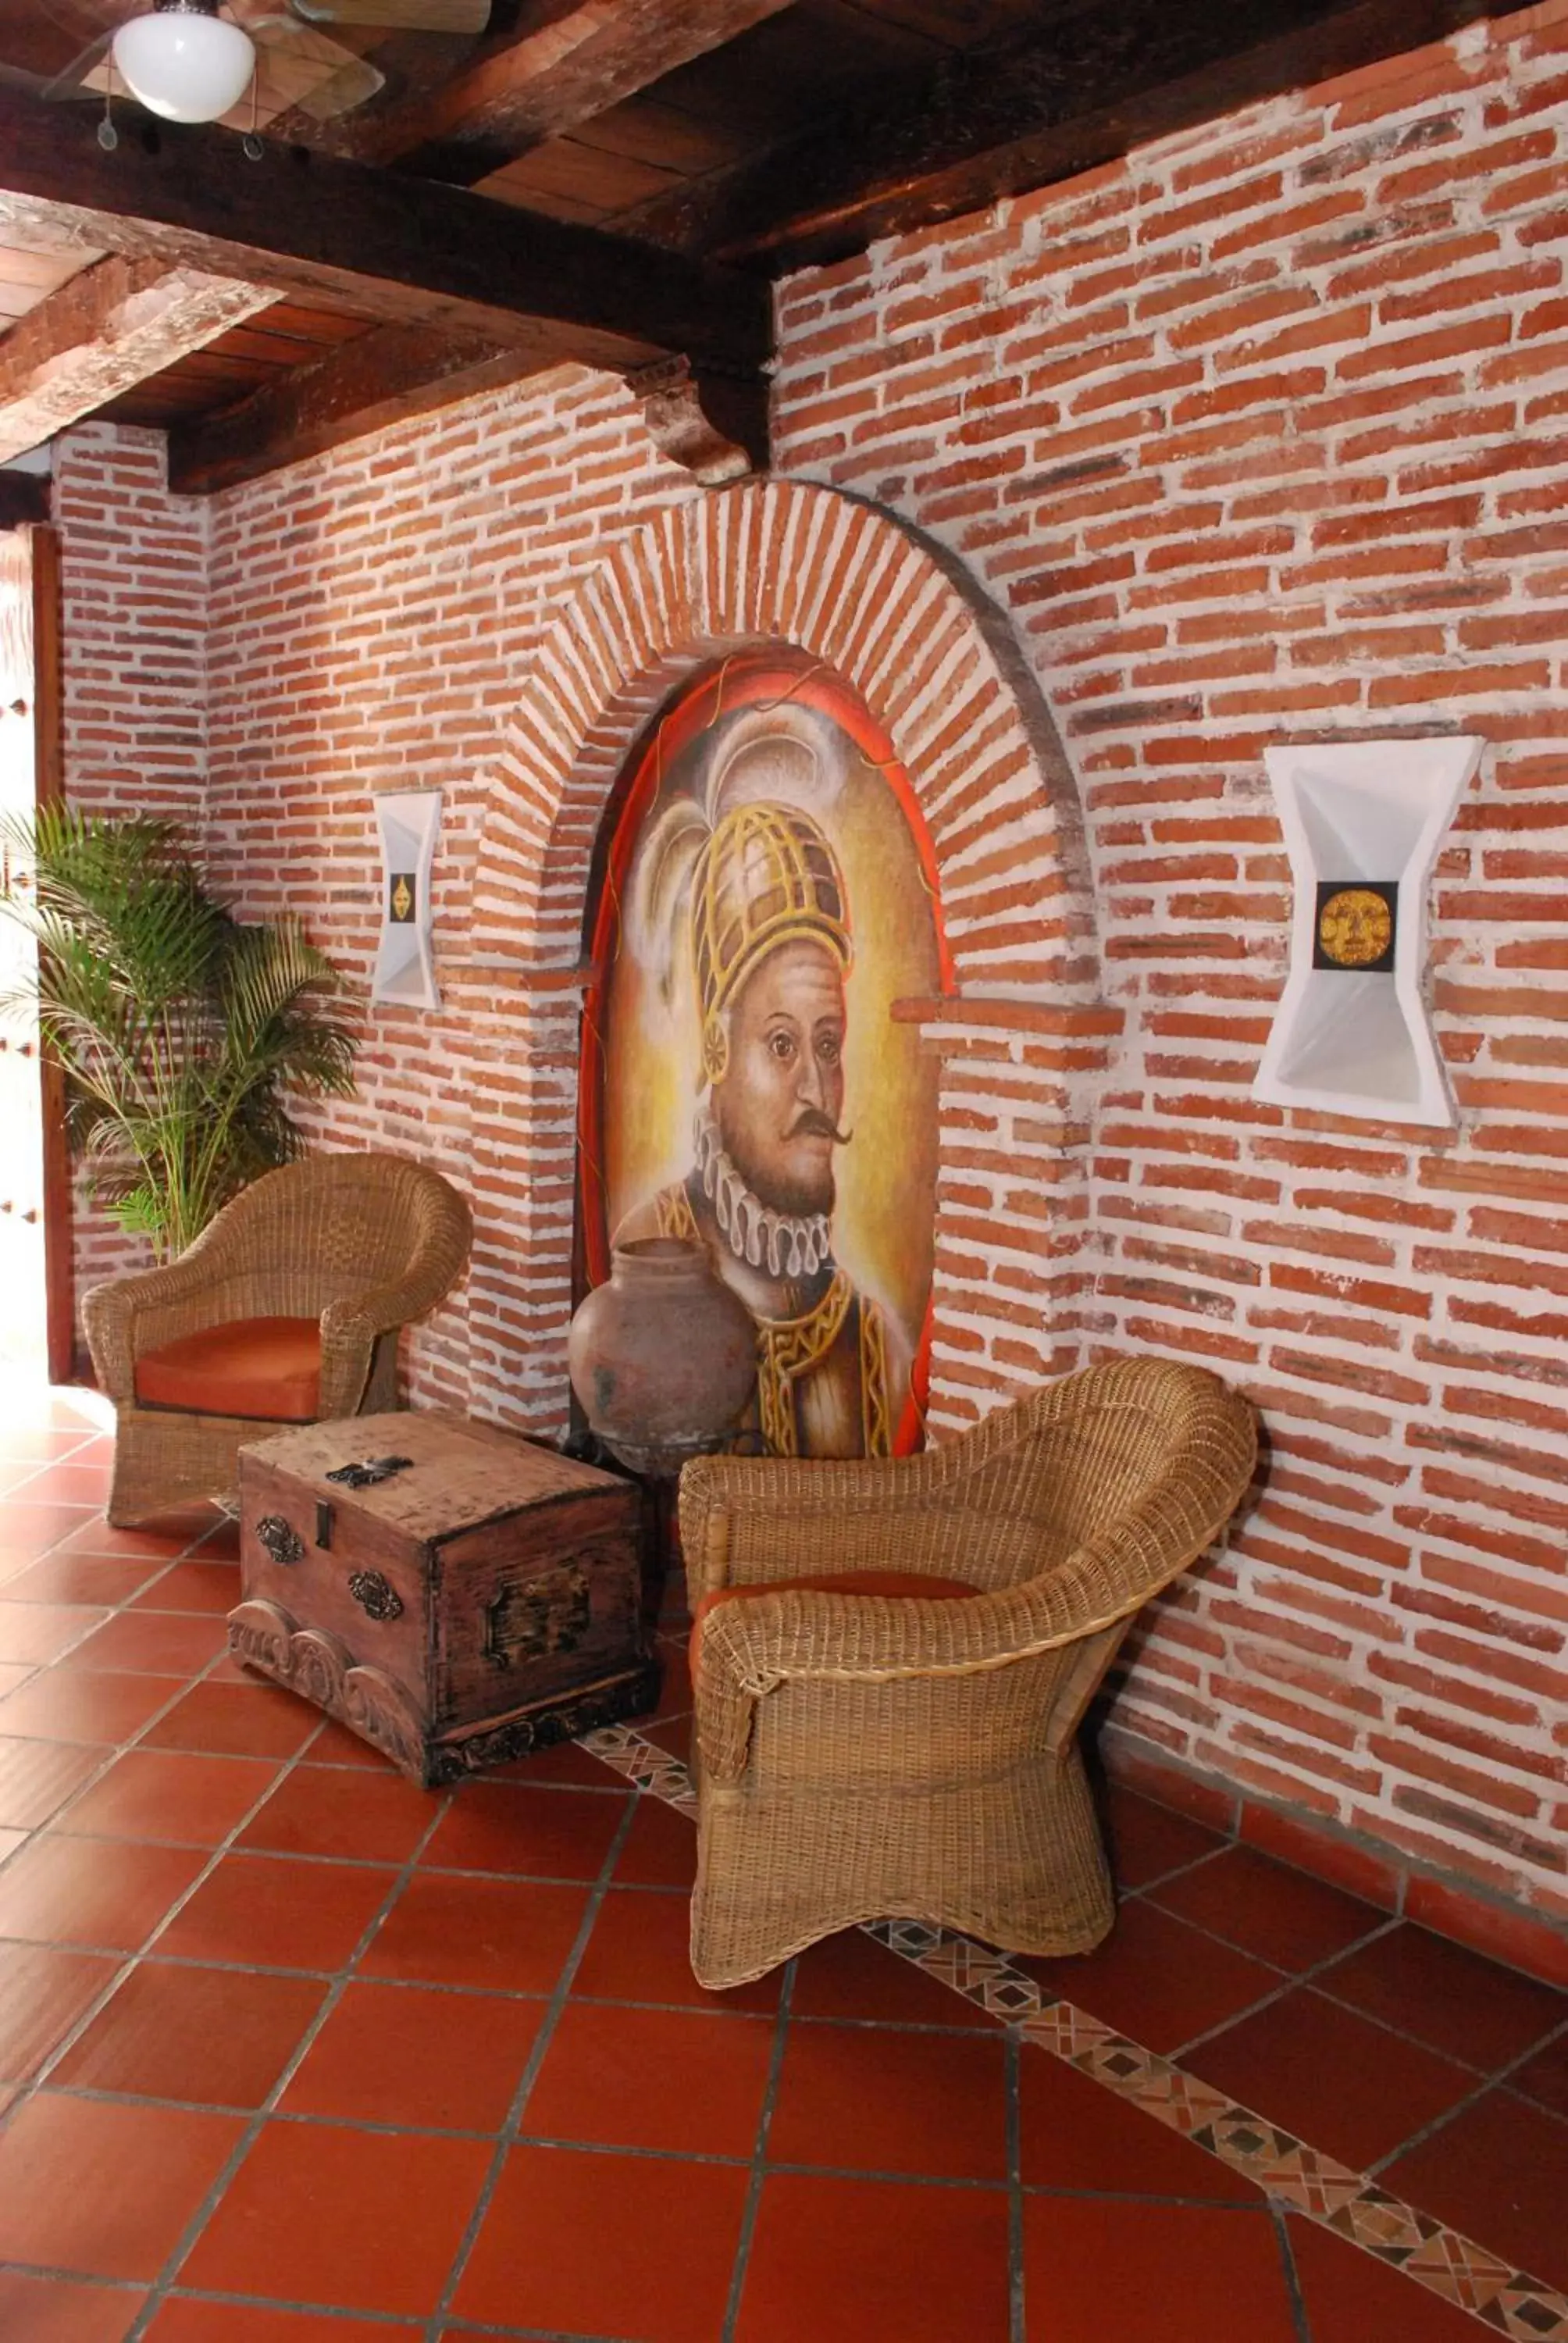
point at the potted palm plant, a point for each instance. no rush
(180, 1030)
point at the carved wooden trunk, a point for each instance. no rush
(481, 1601)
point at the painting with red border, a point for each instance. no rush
(765, 892)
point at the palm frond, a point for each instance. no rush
(180, 1030)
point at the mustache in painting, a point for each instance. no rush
(813, 1125)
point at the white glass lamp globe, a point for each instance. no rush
(187, 67)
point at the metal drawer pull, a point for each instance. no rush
(376, 1596)
(284, 1544)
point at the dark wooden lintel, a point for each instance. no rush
(408, 252)
(1002, 121)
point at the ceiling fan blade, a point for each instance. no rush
(399, 16)
(296, 67)
(73, 82)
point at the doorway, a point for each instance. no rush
(36, 1297)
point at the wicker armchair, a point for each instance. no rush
(362, 1243)
(862, 1756)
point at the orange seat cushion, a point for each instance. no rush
(268, 1368)
(900, 1584)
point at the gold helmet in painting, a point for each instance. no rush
(766, 876)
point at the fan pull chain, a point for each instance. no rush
(251, 143)
(108, 137)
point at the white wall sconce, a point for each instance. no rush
(1363, 822)
(409, 822)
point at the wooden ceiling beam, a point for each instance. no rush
(405, 252)
(103, 331)
(1011, 118)
(545, 80)
(389, 375)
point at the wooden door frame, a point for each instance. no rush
(48, 789)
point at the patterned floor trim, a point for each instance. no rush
(1507, 2300)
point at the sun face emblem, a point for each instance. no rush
(402, 898)
(1355, 927)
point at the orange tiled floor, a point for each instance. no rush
(293, 2053)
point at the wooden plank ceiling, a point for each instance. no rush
(612, 180)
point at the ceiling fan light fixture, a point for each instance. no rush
(184, 62)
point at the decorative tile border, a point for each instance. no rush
(1283, 2167)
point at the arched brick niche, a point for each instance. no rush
(786, 562)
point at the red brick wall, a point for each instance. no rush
(133, 585)
(1257, 437)
(1261, 438)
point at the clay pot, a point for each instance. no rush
(664, 1356)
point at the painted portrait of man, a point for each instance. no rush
(740, 964)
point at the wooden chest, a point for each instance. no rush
(479, 1602)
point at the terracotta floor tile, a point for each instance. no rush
(607, 2245)
(243, 1720)
(660, 1849)
(10, 1840)
(160, 1793)
(416, 2054)
(1353, 2297)
(168, 1536)
(362, 2220)
(675, 1695)
(183, 2321)
(36, 1777)
(497, 1933)
(1331, 2077)
(70, 1705)
(43, 1993)
(1145, 1841)
(381, 1819)
(640, 1950)
(838, 2261)
(880, 2100)
(1455, 2000)
(334, 1749)
(64, 2310)
(1156, 1980)
(263, 1911)
(69, 1482)
(1268, 1909)
(1545, 2075)
(213, 2037)
(13, 1675)
(681, 2079)
(150, 1642)
(93, 1892)
(542, 1834)
(41, 1444)
(1499, 2172)
(93, 2186)
(221, 1541)
(850, 1976)
(33, 1529)
(1123, 2272)
(195, 1586)
(1076, 2133)
(565, 1763)
(32, 1632)
(89, 1578)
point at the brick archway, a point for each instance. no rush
(780, 561)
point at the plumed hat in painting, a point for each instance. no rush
(755, 864)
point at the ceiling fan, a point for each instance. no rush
(194, 60)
